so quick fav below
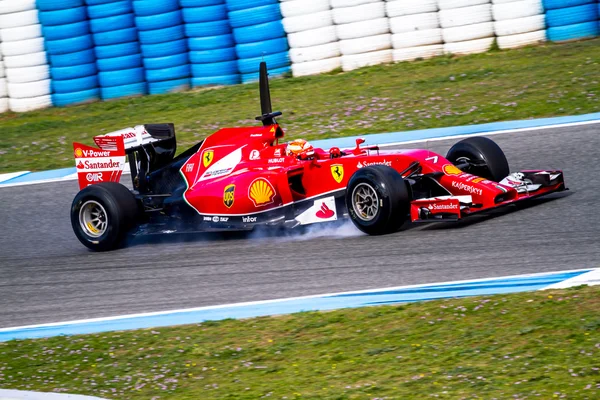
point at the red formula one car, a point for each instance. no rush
(241, 178)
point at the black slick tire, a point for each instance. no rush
(486, 158)
(388, 190)
(118, 211)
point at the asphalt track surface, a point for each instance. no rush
(46, 275)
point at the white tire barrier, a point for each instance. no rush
(469, 47)
(415, 25)
(519, 23)
(469, 32)
(467, 26)
(311, 36)
(27, 83)
(465, 16)
(364, 33)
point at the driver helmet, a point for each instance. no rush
(298, 147)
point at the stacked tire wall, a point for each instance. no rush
(27, 81)
(64, 52)
(212, 48)
(259, 36)
(116, 48)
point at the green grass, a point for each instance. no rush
(548, 80)
(530, 345)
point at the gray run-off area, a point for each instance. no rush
(46, 275)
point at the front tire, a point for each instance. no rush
(378, 200)
(486, 159)
(102, 215)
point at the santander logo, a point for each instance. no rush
(325, 212)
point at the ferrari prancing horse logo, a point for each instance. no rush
(228, 195)
(207, 157)
(337, 171)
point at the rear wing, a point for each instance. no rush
(148, 147)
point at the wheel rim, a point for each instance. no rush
(93, 219)
(365, 202)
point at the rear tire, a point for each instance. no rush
(378, 200)
(103, 214)
(486, 157)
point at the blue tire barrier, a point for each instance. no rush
(164, 49)
(162, 35)
(73, 72)
(553, 4)
(71, 45)
(199, 3)
(144, 8)
(175, 85)
(95, 2)
(168, 74)
(217, 80)
(114, 92)
(77, 58)
(121, 77)
(249, 78)
(211, 42)
(258, 33)
(116, 37)
(212, 56)
(572, 32)
(571, 15)
(193, 15)
(235, 5)
(116, 22)
(255, 15)
(84, 96)
(257, 49)
(53, 5)
(117, 50)
(75, 85)
(214, 69)
(65, 31)
(202, 29)
(159, 21)
(62, 17)
(109, 9)
(166, 62)
(119, 63)
(274, 61)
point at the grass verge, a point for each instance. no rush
(528, 345)
(548, 80)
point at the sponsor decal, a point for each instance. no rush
(189, 167)
(433, 159)
(216, 219)
(368, 164)
(479, 180)
(276, 160)
(325, 212)
(467, 188)
(261, 192)
(92, 228)
(91, 153)
(256, 135)
(254, 155)
(443, 207)
(222, 167)
(207, 157)
(450, 169)
(248, 219)
(110, 164)
(337, 171)
(272, 129)
(228, 195)
(501, 188)
(94, 177)
(78, 152)
(277, 153)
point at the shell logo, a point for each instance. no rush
(261, 192)
(78, 152)
(450, 169)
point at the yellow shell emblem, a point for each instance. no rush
(207, 157)
(78, 152)
(450, 169)
(261, 192)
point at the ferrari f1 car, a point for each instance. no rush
(242, 178)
